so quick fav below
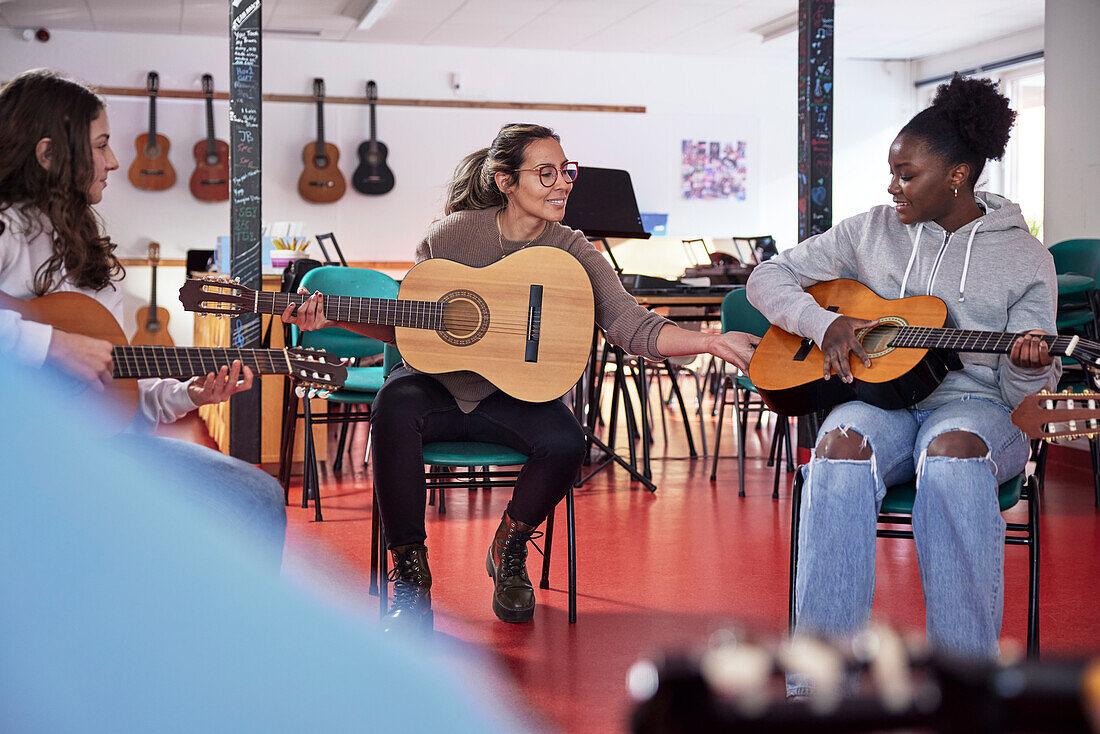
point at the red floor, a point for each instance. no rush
(661, 571)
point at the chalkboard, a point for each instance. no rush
(245, 234)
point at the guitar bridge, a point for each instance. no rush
(534, 320)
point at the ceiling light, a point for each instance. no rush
(373, 12)
(780, 26)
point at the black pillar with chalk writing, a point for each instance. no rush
(245, 235)
(815, 137)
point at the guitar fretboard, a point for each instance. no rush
(157, 361)
(968, 340)
(386, 311)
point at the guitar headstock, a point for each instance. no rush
(217, 295)
(152, 83)
(319, 88)
(208, 85)
(154, 253)
(372, 91)
(1052, 416)
(316, 370)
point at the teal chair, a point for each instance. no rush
(736, 390)
(352, 403)
(1077, 263)
(471, 465)
(897, 510)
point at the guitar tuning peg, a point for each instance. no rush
(300, 391)
(237, 280)
(313, 392)
(323, 394)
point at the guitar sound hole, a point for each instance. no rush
(876, 340)
(465, 318)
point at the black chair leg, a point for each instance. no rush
(286, 446)
(796, 516)
(374, 526)
(1033, 507)
(311, 484)
(544, 582)
(571, 531)
(338, 462)
(720, 404)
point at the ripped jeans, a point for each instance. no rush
(957, 522)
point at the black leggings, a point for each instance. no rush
(413, 409)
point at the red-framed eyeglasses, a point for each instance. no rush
(548, 174)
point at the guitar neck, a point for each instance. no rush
(383, 311)
(320, 128)
(211, 147)
(156, 361)
(373, 139)
(153, 292)
(968, 340)
(152, 119)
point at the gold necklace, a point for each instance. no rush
(500, 236)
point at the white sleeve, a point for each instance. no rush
(25, 341)
(162, 401)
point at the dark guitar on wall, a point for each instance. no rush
(151, 169)
(321, 182)
(210, 180)
(911, 352)
(372, 176)
(152, 320)
(81, 314)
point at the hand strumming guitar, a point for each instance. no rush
(839, 342)
(86, 358)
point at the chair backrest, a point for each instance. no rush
(1081, 256)
(740, 315)
(339, 281)
(390, 358)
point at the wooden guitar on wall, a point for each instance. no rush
(523, 323)
(321, 182)
(911, 352)
(81, 314)
(151, 169)
(210, 180)
(373, 176)
(152, 320)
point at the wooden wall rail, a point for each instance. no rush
(309, 99)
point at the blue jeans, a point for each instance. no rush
(249, 500)
(957, 522)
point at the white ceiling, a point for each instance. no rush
(887, 29)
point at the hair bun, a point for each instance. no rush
(980, 113)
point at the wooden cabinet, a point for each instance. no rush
(214, 332)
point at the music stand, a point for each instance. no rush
(602, 205)
(328, 260)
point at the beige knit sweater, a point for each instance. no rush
(472, 238)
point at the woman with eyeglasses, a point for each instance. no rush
(502, 199)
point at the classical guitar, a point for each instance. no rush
(1059, 416)
(151, 169)
(152, 320)
(523, 323)
(81, 314)
(372, 176)
(321, 182)
(210, 180)
(911, 352)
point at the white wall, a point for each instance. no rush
(1072, 171)
(750, 97)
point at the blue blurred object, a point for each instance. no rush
(127, 607)
(655, 224)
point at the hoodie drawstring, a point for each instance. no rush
(966, 262)
(912, 259)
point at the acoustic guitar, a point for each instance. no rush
(321, 181)
(81, 314)
(911, 350)
(523, 323)
(151, 169)
(372, 176)
(152, 320)
(1058, 416)
(210, 180)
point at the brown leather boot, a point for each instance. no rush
(411, 608)
(513, 596)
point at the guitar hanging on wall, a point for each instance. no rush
(210, 181)
(152, 320)
(321, 182)
(151, 169)
(373, 176)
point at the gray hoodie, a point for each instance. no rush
(993, 275)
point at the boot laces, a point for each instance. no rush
(405, 574)
(513, 553)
